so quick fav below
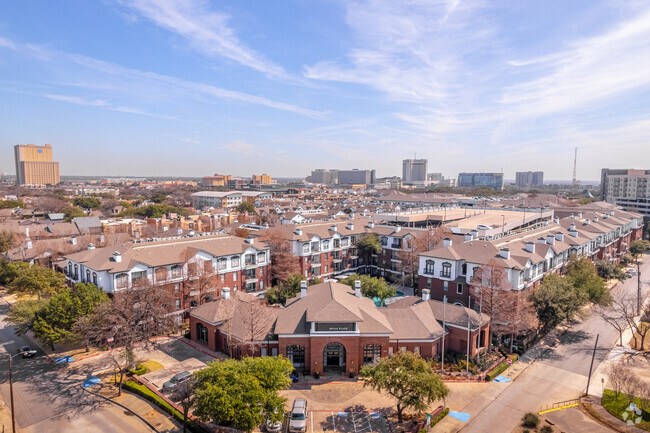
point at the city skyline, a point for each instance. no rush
(164, 88)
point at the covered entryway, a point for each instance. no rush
(334, 356)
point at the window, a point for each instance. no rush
(223, 278)
(446, 270)
(222, 264)
(326, 245)
(234, 261)
(69, 269)
(178, 304)
(429, 283)
(122, 280)
(234, 276)
(250, 274)
(371, 353)
(76, 272)
(337, 243)
(305, 248)
(249, 259)
(459, 289)
(94, 278)
(463, 269)
(416, 349)
(88, 275)
(176, 271)
(297, 355)
(445, 285)
(261, 257)
(429, 267)
(177, 288)
(345, 242)
(336, 255)
(261, 272)
(315, 246)
(202, 333)
(326, 268)
(250, 287)
(390, 351)
(207, 266)
(384, 241)
(135, 276)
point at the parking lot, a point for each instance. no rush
(346, 422)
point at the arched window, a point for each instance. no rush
(95, 278)
(76, 272)
(297, 355)
(384, 241)
(202, 333)
(371, 353)
(446, 270)
(121, 281)
(429, 267)
(176, 271)
(69, 269)
(87, 275)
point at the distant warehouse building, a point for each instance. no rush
(490, 180)
(216, 199)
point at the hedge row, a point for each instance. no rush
(500, 368)
(139, 370)
(148, 394)
(439, 417)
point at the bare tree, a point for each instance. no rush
(415, 245)
(614, 314)
(199, 276)
(50, 204)
(623, 312)
(619, 376)
(283, 261)
(256, 320)
(518, 312)
(185, 394)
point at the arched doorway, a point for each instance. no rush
(334, 356)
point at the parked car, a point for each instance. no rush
(26, 351)
(175, 380)
(483, 227)
(273, 426)
(298, 421)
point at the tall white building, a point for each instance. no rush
(627, 188)
(414, 171)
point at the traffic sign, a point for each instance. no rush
(509, 361)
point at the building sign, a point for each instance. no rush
(335, 327)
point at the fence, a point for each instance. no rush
(559, 405)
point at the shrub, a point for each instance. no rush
(499, 368)
(439, 417)
(148, 394)
(546, 429)
(530, 420)
(139, 370)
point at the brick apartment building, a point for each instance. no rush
(180, 266)
(330, 327)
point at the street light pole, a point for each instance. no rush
(11, 393)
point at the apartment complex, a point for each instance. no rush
(261, 179)
(331, 328)
(324, 176)
(356, 177)
(527, 256)
(414, 171)
(216, 180)
(34, 165)
(192, 268)
(490, 180)
(529, 179)
(627, 188)
(216, 199)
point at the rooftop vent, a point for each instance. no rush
(357, 288)
(446, 242)
(117, 257)
(505, 253)
(426, 294)
(303, 289)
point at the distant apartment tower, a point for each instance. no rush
(34, 165)
(491, 180)
(414, 171)
(356, 177)
(261, 179)
(324, 176)
(529, 179)
(216, 180)
(627, 188)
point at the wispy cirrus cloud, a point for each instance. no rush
(206, 30)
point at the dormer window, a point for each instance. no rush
(234, 261)
(384, 241)
(305, 248)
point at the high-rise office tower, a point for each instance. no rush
(34, 165)
(414, 171)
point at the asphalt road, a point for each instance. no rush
(49, 398)
(559, 374)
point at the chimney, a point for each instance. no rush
(587, 221)
(530, 246)
(136, 234)
(225, 292)
(468, 237)
(29, 243)
(250, 241)
(333, 228)
(117, 257)
(101, 238)
(579, 214)
(572, 227)
(398, 229)
(91, 246)
(474, 234)
(556, 220)
(596, 219)
(446, 242)
(73, 240)
(191, 233)
(165, 228)
(505, 253)
(357, 288)
(179, 231)
(541, 240)
(303, 289)
(350, 226)
(298, 232)
(572, 231)
(550, 239)
(611, 212)
(27, 231)
(559, 236)
(371, 224)
(426, 294)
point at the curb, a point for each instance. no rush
(124, 407)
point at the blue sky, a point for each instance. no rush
(190, 88)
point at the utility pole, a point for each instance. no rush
(638, 287)
(593, 355)
(442, 358)
(469, 303)
(11, 394)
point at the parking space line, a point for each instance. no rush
(312, 422)
(368, 419)
(334, 421)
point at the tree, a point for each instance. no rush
(9, 271)
(22, 314)
(241, 232)
(10, 204)
(556, 301)
(198, 275)
(87, 202)
(243, 393)
(7, 241)
(408, 378)
(409, 255)
(245, 207)
(284, 263)
(285, 290)
(38, 281)
(73, 212)
(256, 322)
(371, 287)
(637, 248)
(368, 245)
(614, 314)
(608, 270)
(491, 279)
(185, 394)
(50, 204)
(619, 377)
(583, 277)
(521, 317)
(134, 316)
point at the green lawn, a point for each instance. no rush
(152, 365)
(617, 405)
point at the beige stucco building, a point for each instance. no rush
(34, 165)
